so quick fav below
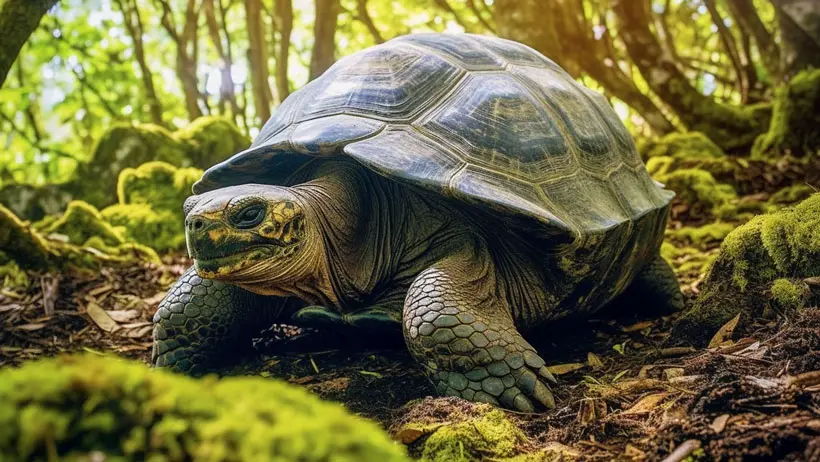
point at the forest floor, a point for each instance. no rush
(621, 394)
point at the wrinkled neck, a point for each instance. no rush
(352, 210)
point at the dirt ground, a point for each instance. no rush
(621, 394)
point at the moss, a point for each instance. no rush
(788, 295)
(27, 247)
(782, 244)
(66, 408)
(698, 188)
(691, 145)
(158, 184)
(790, 195)
(212, 139)
(12, 277)
(80, 222)
(795, 118)
(491, 435)
(140, 223)
(687, 261)
(701, 235)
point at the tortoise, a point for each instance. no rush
(458, 190)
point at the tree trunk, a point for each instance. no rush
(729, 45)
(258, 59)
(283, 17)
(558, 30)
(324, 36)
(134, 27)
(745, 14)
(226, 85)
(729, 127)
(186, 59)
(800, 35)
(18, 20)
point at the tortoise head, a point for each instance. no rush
(250, 234)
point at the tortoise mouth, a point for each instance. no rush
(231, 266)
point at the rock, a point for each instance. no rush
(89, 407)
(203, 143)
(743, 278)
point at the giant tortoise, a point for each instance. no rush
(459, 189)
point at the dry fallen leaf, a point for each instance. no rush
(30, 327)
(101, 318)
(646, 404)
(594, 361)
(412, 432)
(123, 315)
(719, 423)
(724, 332)
(561, 369)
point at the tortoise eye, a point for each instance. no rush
(249, 217)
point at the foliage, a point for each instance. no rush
(71, 406)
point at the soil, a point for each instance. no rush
(622, 395)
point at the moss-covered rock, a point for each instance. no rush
(161, 230)
(682, 146)
(700, 191)
(150, 204)
(82, 221)
(211, 140)
(783, 244)
(788, 295)
(71, 242)
(12, 276)
(158, 184)
(687, 261)
(701, 235)
(795, 118)
(203, 143)
(70, 407)
(789, 195)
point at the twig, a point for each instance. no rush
(682, 451)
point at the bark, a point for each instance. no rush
(18, 20)
(324, 36)
(559, 30)
(363, 16)
(283, 18)
(226, 87)
(729, 127)
(800, 35)
(729, 45)
(745, 14)
(258, 59)
(186, 58)
(134, 26)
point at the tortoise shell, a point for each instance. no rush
(482, 120)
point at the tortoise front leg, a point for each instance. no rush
(458, 326)
(203, 324)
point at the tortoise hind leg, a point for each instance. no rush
(202, 323)
(461, 331)
(655, 289)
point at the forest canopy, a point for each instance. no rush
(666, 65)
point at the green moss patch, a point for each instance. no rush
(69, 407)
(783, 244)
(700, 191)
(787, 294)
(795, 118)
(701, 235)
